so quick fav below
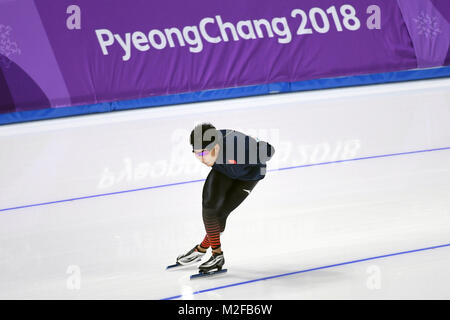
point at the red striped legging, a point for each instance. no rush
(221, 195)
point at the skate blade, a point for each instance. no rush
(172, 266)
(207, 274)
(179, 265)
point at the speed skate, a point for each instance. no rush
(200, 274)
(203, 274)
(178, 265)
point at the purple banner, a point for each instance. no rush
(66, 53)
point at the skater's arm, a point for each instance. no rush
(265, 151)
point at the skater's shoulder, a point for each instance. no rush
(227, 132)
(231, 132)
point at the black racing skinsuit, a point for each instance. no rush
(231, 179)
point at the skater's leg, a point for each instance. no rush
(214, 192)
(204, 245)
(234, 197)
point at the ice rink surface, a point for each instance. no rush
(95, 207)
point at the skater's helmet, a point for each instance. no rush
(204, 136)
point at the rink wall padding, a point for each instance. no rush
(15, 117)
(62, 59)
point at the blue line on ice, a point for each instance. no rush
(193, 181)
(308, 270)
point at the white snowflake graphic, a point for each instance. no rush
(7, 46)
(427, 25)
